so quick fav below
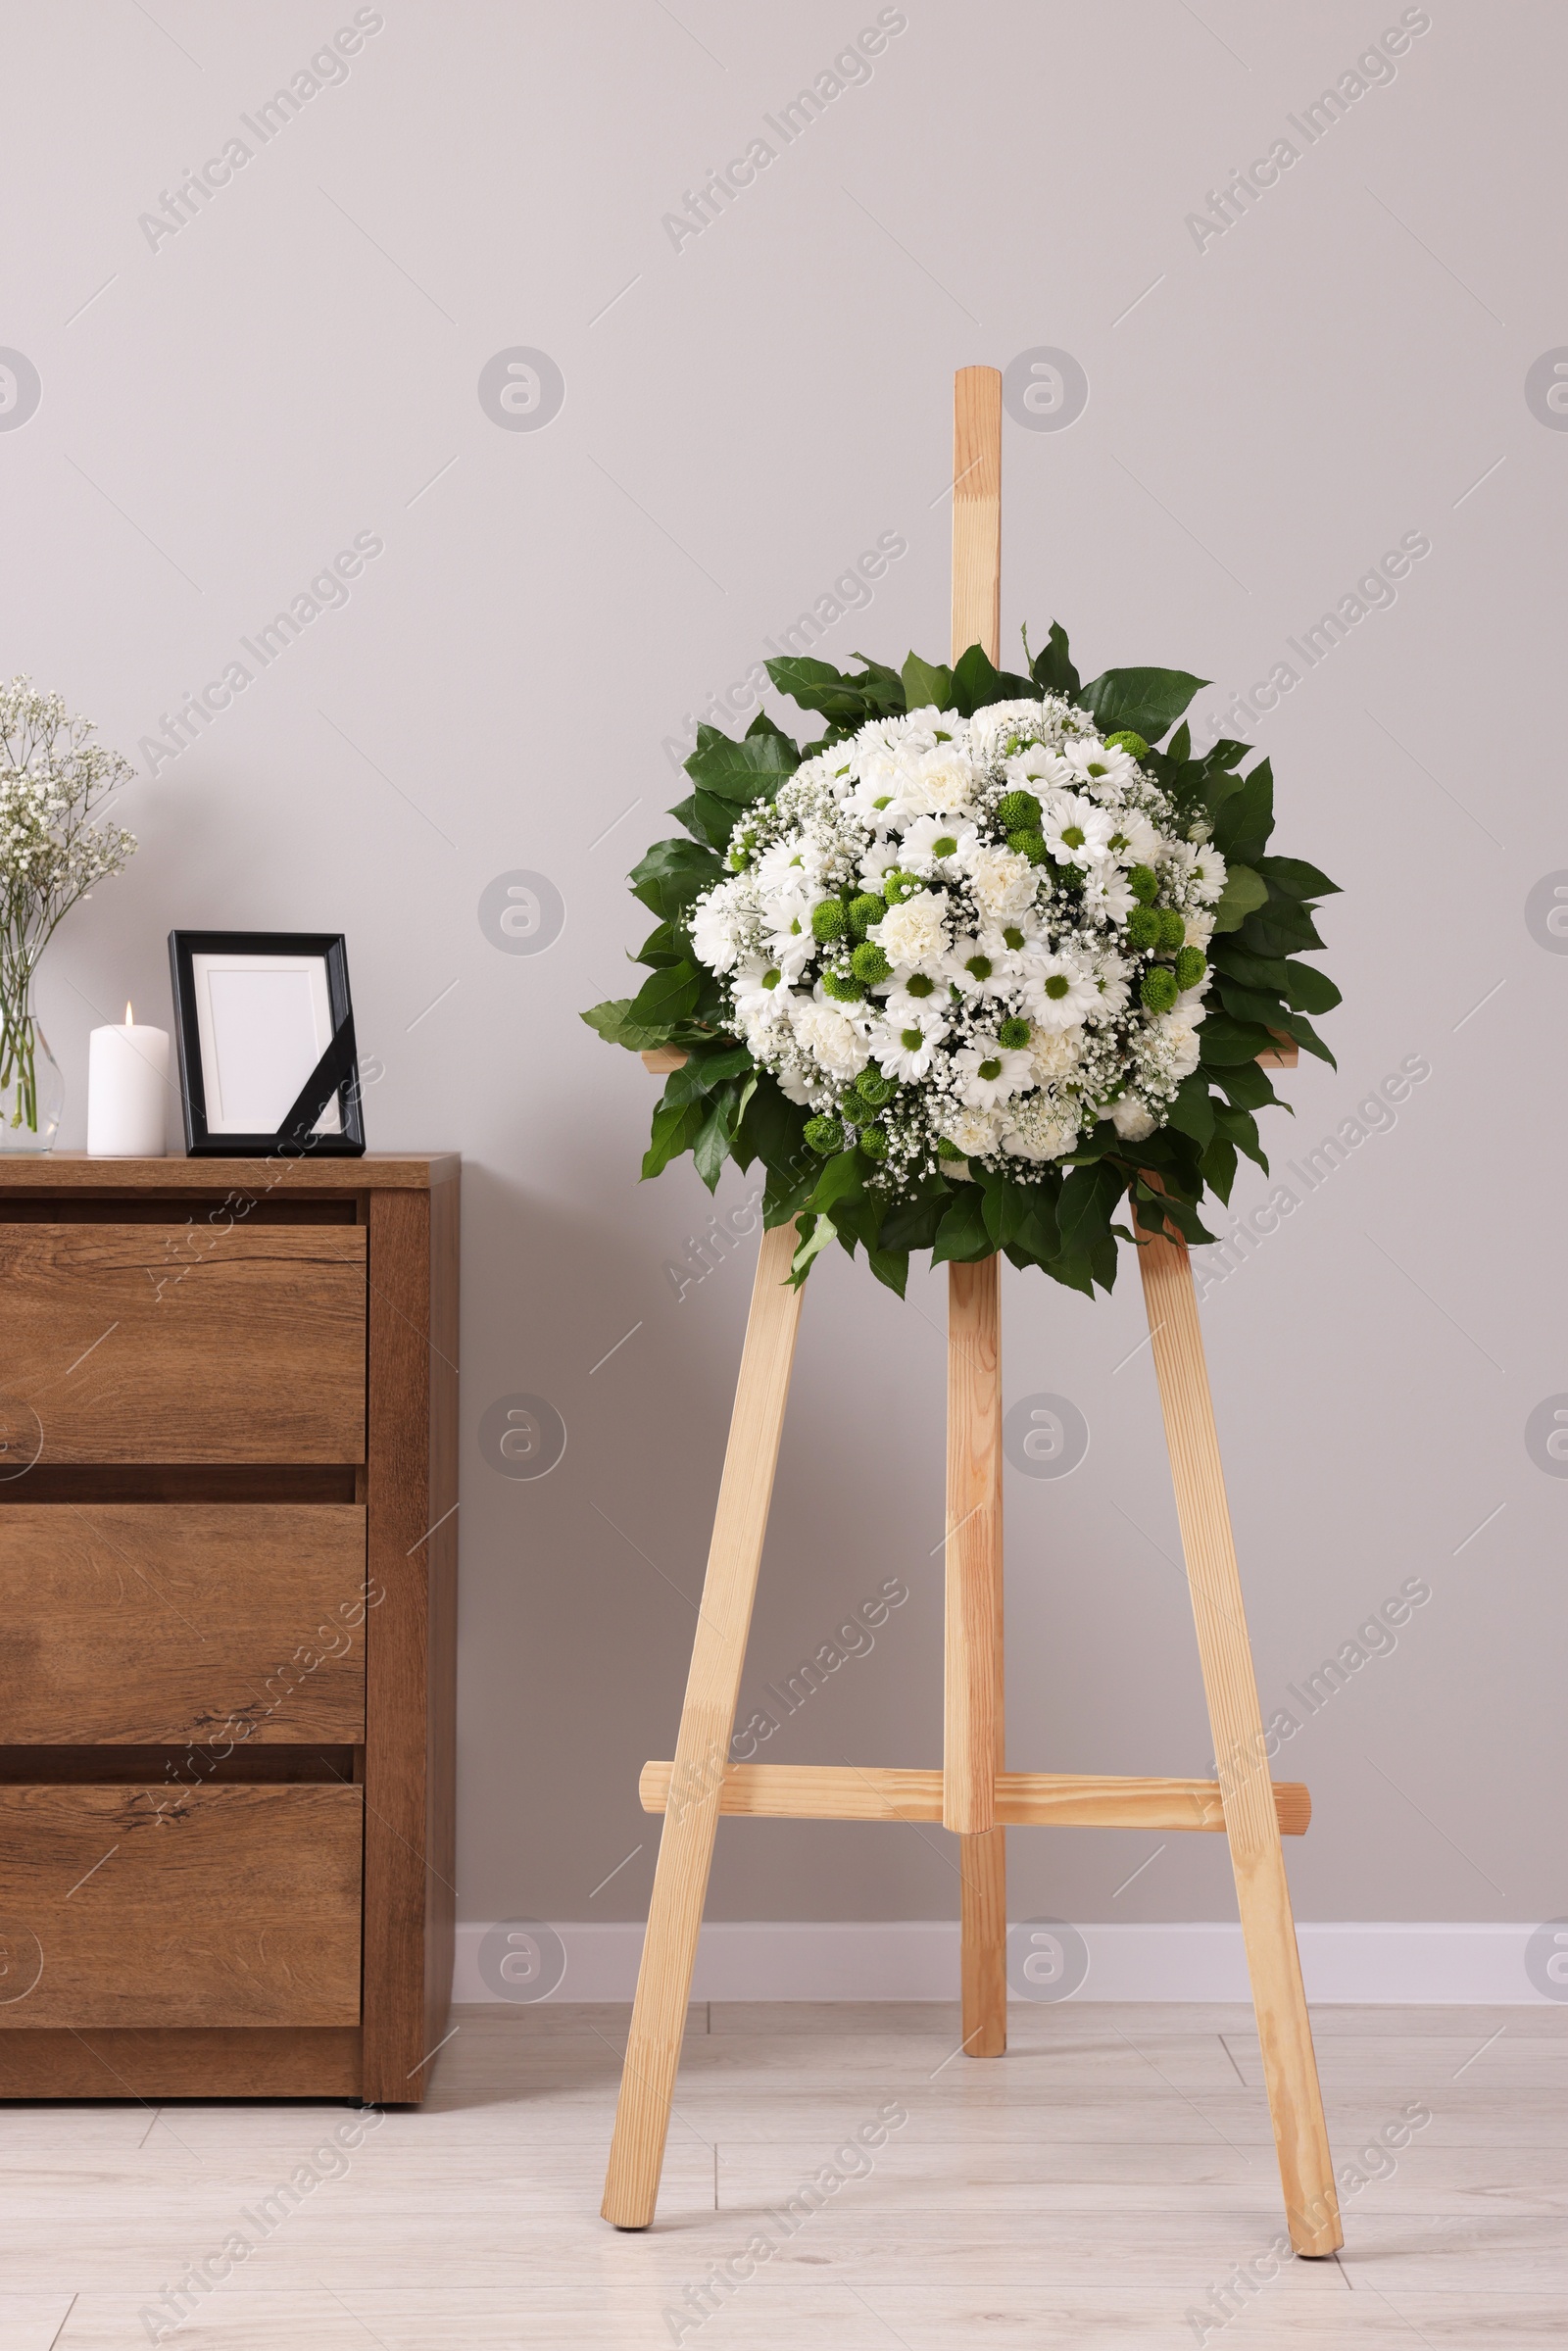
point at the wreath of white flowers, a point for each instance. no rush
(980, 969)
(965, 940)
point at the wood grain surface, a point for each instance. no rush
(707, 1723)
(181, 1343)
(410, 1897)
(276, 2061)
(376, 1172)
(1230, 1685)
(150, 1624)
(829, 1792)
(976, 509)
(176, 1905)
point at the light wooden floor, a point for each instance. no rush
(1090, 2188)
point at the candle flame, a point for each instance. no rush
(130, 1019)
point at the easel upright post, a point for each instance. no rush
(973, 1739)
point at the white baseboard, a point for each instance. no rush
(1438, 1961)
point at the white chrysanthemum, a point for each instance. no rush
(722, 923)
(1199, 869)
(978, 972)
(1102, 769)
(987, 1073)
(1077, 831)
(905, 1046)
(1199, 929)
(933, 841)
(760, 992)
(1107, 897)
(915, 931)
(1059, 991)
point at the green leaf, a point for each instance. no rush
(1087, 1202)
(1241, 1128)
(773, 1128)
(744, 771)
(976, 680)
(1223, 1040)
(709, 1064)
(1249, 1087)
(1244, 891)
(1180, 746)
(708, 818)
(1309, 990)
(1249, 1004)
(882, 687)
(843, 1178)
(611, 1021)
(1296, 878)
(1307, 1038)
(925, 685)
(667, 997)
(1282, 927)
(1147, 701)
(1246, 818)
(676, 1126)
(818, 686)
(1220, 1167)
(1004, 1209)
(673, 873)
(711, 1146)
(1051, 670)
(961, 1236)
(912, 1224)
(1192, 1111)
(892, 1266)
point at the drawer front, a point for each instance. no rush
(156, 1906)
(145, 1624)
(186, 1342)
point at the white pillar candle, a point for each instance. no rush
(127, 1091)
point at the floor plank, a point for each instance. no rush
(1099, 2186)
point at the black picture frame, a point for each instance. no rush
(335, 1077)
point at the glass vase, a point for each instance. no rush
(33, 1091)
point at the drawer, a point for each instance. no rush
(145, 1623)
(186, 1342)
(156, 1906)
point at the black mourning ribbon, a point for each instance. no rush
(331, 1073)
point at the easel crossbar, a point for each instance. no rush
(810, 1791)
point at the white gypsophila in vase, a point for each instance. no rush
(968, 940)
(54, 846)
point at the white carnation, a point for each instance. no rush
(915, 931)
(830, 1036)
(1132, 1119)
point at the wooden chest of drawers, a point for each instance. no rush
(227, 1624)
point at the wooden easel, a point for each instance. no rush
(973, 1795)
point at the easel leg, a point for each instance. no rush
(1230, 1685)
(972, 1733)
(702, 1751)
